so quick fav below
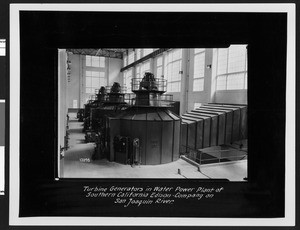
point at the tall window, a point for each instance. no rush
(127, 79)
(138, 54)
(130, 57)
(142, 68)
(147, 51)
(137, 71)
(93, 81)
(232, 68)
(159, 66)
(172, 70)
(145, 67)
(199, 68)
(94, 61)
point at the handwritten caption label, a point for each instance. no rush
(130, 196)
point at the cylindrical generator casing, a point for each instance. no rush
(158, 131)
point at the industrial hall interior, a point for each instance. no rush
(175, 113)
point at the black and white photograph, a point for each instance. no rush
(153, 113)
(146, 115)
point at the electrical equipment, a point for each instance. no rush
(121, 149)
(110, 102)
(150, 120)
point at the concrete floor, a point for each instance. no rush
(77, 163)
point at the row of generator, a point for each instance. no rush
(141, 127)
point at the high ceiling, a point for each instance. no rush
(104, 52)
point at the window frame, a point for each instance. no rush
(196, 78)
(166, 73)
(227, 74)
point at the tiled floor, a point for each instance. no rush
(77, 164)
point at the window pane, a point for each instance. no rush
(130, 58)
(102, 62)
(222, 61)
(198, 50)
(88, 81)
(198, 84)
(103, 82)
(172, 70)
(169, 76)
(138, 54)
(96, 82)
(221, 82)
(145, 68)
(159, 72)
(88, 60)
(175, 86)
(94, 90)
(246, 80)
(235, 81)
(199, 65)
(88, 73)
(177, 53)
(176, 76)
(159, 61)
(95, 73)
(236, 58)
(102, 74)
(147, 51)
(95, 61)
(88, 90)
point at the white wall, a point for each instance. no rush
(73, 87)
(62, 104)
(230, 96)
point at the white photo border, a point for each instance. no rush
(14, 179)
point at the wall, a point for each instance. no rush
(73, 87)
(62, 103)
(230, 96)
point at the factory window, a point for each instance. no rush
(93, 81)
(147, 51)
(232, 68)
(130, 57)
(138, 54)
(94, 61)
(127, 79)
(137, 70)
(172, 70)
(199, 63)
(159, 66)
(145, 67)
(142, 68)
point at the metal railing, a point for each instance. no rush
(157, 84)
(122, 89)
(201, 156)
(152, 99)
